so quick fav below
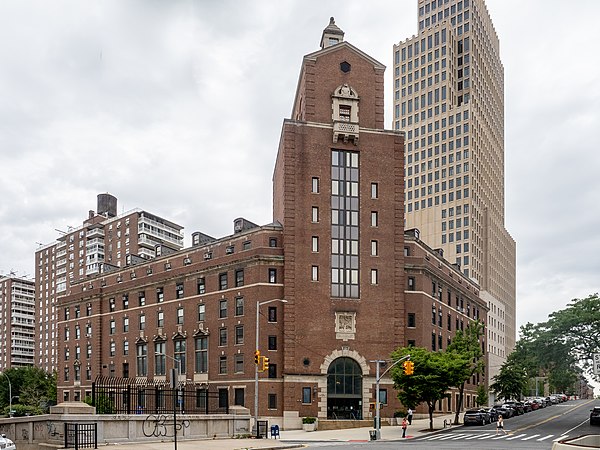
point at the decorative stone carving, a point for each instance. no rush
(345, 325)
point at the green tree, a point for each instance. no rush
(31, 387)
(434, 374)
(482, 395)
(466, 345)
(510, 382)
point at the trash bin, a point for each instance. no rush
(373, 435)
(261, 428)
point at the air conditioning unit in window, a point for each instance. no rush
(207, 255)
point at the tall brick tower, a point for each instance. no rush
(339, 194)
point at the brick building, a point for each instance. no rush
(344, 284)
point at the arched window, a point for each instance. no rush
(344, 378)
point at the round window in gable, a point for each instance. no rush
(345, 67)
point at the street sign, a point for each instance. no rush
(597, 363)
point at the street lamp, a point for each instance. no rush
(10, 411)
(377, 380)
(258, 305)
(175, 383)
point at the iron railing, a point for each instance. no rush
(111, 395)
(81, 435)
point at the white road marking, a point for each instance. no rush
(515, 437)
(502, 436)
(486, 436)
(544, 438)
(530, 437)
(473, 437)
(564, 436)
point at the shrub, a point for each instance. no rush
(309, 419)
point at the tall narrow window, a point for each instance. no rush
(374, 276)
(374, 219)
(374, 190)
(160, 359)
(315, 185)
(239, 306)
(201, 286)
(160, 319)
(374, 248)
(239, 277)
(179, 316)
(142, 359)
(179, 290)
(314, 275)
(180, 354)
(160, 295)
(315, 244)
(272, 275)
(201, 356)
(201, 312)
(315, 214)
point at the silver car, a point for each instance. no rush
(6, 443)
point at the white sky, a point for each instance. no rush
(176, 107)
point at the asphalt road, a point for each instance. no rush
(532, 431)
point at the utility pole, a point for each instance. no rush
(377, 380)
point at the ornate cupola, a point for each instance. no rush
(332, 34)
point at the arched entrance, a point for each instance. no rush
(344, 389)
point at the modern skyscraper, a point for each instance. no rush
(449, 100)
(17, 322)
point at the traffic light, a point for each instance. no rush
(265, 363)
(257, 357)
(409, 367)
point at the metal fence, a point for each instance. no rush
(81, 435)
(111, 395)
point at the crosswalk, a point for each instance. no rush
(494, 437)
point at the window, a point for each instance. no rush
(239, 277)
(222, 369)
(222, 337)
(315, 214)
(374, 276)
(111, 304)
(179, 316)
(412, 320)
(272, 242)
(67, 314)
(160, 359)
(179, 353)
(223, 281)
(238, 396)
(160, 296)
(201, 286)
(272, 401)
(179, 290)
(141, 298)
(374, 190)
(272, 275)
(383, 397)
(142, 322)
(160, 319)
(201, 312)
(125, 347)
(374, 248)
(272, 317)
(125, 324)
(125, 301)
(238, 363)
(112, 327)
(411, 283)
(222, 309)
(314, 273)
(239, 306)
(272, 370)
(77, 312)
(374, 218)
(306, 395)
(88, 310)
(142, 360)
(239, 334)
(315, 244)
(272, 343)
(315, 185)
(201, 354)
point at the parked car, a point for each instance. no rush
(527, 406)
(506, 413)
(6, 443)
(493, 414)
(534, 405)
(517, 406)
(595, 416)
(477, 417)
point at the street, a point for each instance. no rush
(534, 430)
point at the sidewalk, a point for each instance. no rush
(295, 438)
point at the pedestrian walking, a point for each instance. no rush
(404, 427)
(500, 425)
(410, 414)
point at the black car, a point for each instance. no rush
(493, 414)
(595, 416)
(517, 406)
(505, 412)
(476, 416)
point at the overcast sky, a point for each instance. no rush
(176, 107)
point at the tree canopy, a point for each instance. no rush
(434, 374)
(32, 389)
